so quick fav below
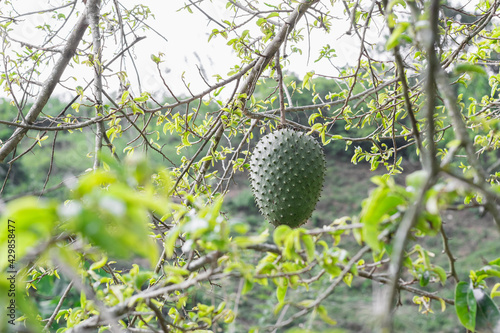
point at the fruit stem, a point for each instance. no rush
(281, 88)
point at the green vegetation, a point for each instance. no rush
(127, 210)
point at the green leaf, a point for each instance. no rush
(292, 244)
(488, 271)
(416, 179)
(381, 202)
(312, 117)
(495, 262)
(494, 292)
(424, 278)
(261, 21)
(207, 158)
(488, 315)
(316, 127)
(229, 317)
(465, 305)
(323, 314)
(469, 69)
(306, 83)
(83, 299)
(76, 106)
(30, 220)
(143, 98)
(348, 279)
(113, 215)
(428, 223)
(124, 96)
(221, 307)
(305, 303)
(281, 292)
(155, 59)
(441, 273)
(278, 308)
(395, 2)
(309, 246)
(247, 286)
(98, 264)
(396, 35)
(280, 234)
(245, 241)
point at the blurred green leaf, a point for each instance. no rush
(441, 273)
(281, 292)
(29, 221)
(309, 246)
(494, 292)
(469, 68)
(465, 305)
(280, 234)
(382, 201)
(487, 314)
(323, 314)
(396, 35)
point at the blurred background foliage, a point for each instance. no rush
(346, 187)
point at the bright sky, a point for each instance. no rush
(186, 45)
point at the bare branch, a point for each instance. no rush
(93, 14)
(451, 257)
(58, 307)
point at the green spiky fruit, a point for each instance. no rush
(287, 170)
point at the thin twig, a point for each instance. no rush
(58, 307)
(451, 257)
(280, 87)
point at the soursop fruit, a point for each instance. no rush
(287, 170)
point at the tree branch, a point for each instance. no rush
(451, 257)
(93, 16)
(126, 306)
(49, 85)
(248, 87)
(58, 307)
(411, 215)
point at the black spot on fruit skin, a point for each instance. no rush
(294, 167)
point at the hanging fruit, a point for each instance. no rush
(287, 170)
